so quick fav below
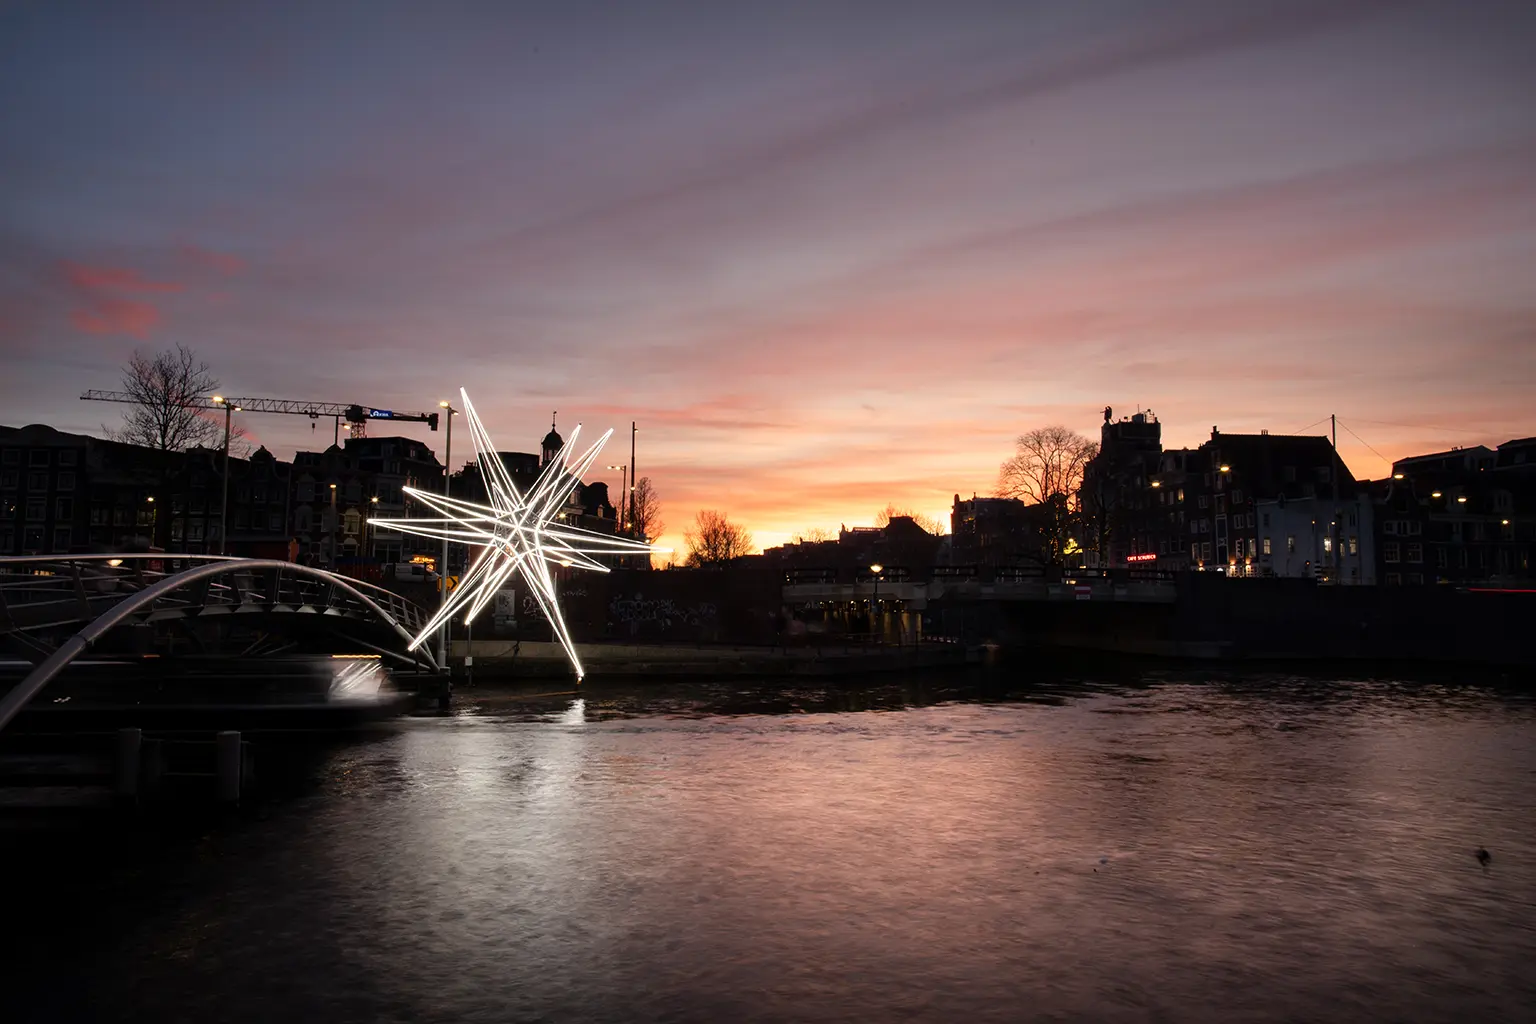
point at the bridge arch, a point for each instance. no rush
(48, 669)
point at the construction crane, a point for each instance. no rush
(357, 416)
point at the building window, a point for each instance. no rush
(1415, 553)
(1327, 544)
(178, 529)
(100, 515)
(1389, 552)
(1461, 558)
(37, 482)
(1194, 552)
(8, 479)
(1354, 545)
(1440, 559)
(39, 457)
(1416, 579)
(1290, 474)
(37, 509)
(64, 508)
(61, 539)
(1265, 520)
(258, 494)
(66, 482)
(275, 521)
(1266, 546)
(1290, 544)
(195, 531)
(1205, 550)
(32, 540)
(1205, 501)
(68, 457)
(10, 457)
(7, 541)
(1394, 579)
(1180, 496)
(306, 490)
(1237, 497)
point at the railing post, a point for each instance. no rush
(127, 762)
(227, 753)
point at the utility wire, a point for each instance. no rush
(1309, 426)
(1363, 441)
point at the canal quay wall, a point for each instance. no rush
(1219, 619)
(502, 659)
(746, 617)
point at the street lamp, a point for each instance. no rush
(874, 601)
(442, 567)
(334, 527)
(229, 409)
(368, 527)
(623, 492)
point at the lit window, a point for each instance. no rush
(1354, 545)
(1290, 545)
(1327, 544)
(1266, 546)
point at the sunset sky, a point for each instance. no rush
(829, 255)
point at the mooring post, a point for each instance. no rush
(227, 752)
(129, 745)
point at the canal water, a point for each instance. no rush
(1159, 847)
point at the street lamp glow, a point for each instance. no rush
(1461, 499)
(516, 533)
(1157, 483)
(443, 404)
(1397, 476)
(876, 567)
(1226, 468)
(218, 399)
(1434, 494)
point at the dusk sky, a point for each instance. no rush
(829, 255)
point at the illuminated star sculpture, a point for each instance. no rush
(516, 533)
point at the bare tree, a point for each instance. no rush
(815, 535)
(714, 539)
(645, 513)
(928, 523)
(170, 392)
(1047, 462)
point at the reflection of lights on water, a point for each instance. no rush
(576, 714)
(356, 678)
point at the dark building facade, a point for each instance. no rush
(1464, 517)
(338, 493)
(1121, 515)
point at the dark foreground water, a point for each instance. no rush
(1260, 849)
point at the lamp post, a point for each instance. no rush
(373, 510)
(229, 410)
(623, 478)
(335, 526)
(874, 601)
(442, 568)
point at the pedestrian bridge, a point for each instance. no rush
(54, 609)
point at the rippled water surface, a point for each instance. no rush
(1180, 849)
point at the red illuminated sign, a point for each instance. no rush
(1141, 558)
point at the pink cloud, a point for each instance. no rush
(116, 316)
(103, 309)
(116, 278)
